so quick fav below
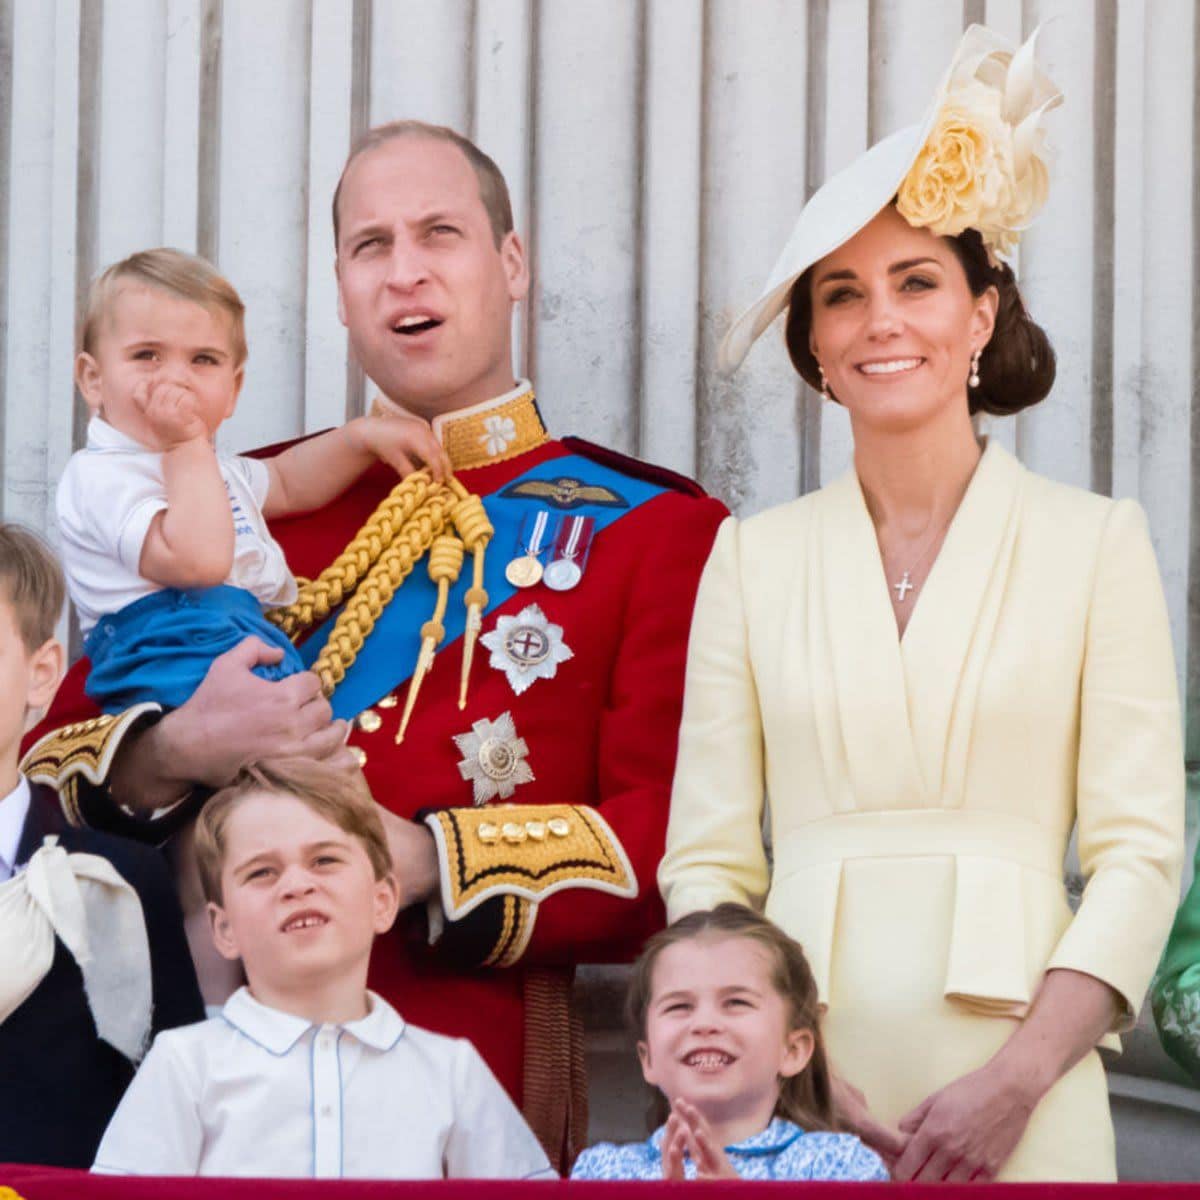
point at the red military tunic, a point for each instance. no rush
(601, 733)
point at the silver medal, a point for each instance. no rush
(562, 575)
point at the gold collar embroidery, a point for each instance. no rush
(486, 433)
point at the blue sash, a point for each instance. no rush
(390, 652)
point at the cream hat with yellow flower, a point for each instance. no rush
(977, 161)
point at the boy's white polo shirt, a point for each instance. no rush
(261, 1092)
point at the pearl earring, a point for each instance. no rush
(973, 381)
(824, 383)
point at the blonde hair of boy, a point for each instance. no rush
(31, 583)
(185, 276)
(339, 796)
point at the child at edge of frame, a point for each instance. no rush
(91, 936)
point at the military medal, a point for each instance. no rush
(526, 648)
(526, 569)
(493, 759)
(572, 541)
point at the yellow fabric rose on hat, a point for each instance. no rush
(984, 163)
(963, 176)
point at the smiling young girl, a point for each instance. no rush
(725, 1010)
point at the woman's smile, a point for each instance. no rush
(888, 366)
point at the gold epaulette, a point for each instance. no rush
(83, 750)
(525, 852)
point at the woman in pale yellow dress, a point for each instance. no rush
(927, 673)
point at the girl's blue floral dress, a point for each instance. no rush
(781, 1151)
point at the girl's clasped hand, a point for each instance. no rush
(689, 1133)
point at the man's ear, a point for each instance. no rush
(797, 1051)
(87, 380)
(337, 274)
(387, 902)
(46, 666)
(516, 266)
(222, 932)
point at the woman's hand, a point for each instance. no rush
(855, 1115)
(965, 1131)
(688, 1131)
(968, 1129)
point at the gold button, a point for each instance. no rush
(369, 720)
(559, 826)
(488, 833)
(389, 701)
(536, 830)
(360, 755)
(513, 832)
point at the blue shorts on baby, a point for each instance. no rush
(160, 647)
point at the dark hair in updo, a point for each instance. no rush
(1016, 368)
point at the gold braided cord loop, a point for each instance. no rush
(318, 597)
(410, 521)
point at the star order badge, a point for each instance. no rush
(527, 647)
(493, 758)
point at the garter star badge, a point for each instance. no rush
(493, 758)
(527, 647)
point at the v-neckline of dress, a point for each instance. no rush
(899, 732)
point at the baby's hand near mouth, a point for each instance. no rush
(170, 411)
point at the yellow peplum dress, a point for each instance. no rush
(903, 807)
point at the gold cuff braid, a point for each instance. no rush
(81, 751)
(525, 850)
(516, 928)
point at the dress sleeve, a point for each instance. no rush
(1175, 993)
(490, 1139)
(715, 846)
(156, 1129)
(1130, 782)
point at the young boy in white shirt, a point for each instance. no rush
(307, 1073)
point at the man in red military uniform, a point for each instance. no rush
(569, 708)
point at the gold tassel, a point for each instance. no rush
(472, 522)
(445, 563)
